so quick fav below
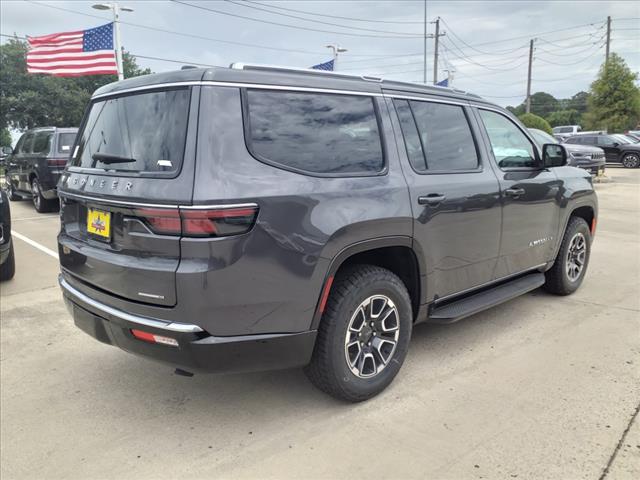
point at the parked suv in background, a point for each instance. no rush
(34, 167)
(563, 132)
(254, 218)
(582, 156)
(617, 148)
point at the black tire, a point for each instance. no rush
(41, 204)
(559, 280)
(329, 370)
(631, 160)
(8, 268)
(11, 193)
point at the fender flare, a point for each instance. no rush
(591, 205)
(346, 253)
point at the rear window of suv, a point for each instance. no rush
(65, 142)
(316, 133)
(139, 133)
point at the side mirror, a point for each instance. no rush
(615, 144)
(7, 150)
(553, 155)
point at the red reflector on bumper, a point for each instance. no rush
(152, 338)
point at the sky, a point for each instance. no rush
(486, 43)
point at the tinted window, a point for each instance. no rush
(65, 142)
(138, 133)
(446, 136)
(511, 147)
(42, 143)
(411, 136)
(606, 141)
(315, 132)
(26, 144)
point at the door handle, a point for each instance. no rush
(514, 192)
(431, 199)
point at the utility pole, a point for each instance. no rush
(606, 56)
(529, 76)
(336, 49)
(436, 36)
(424, 66)
(116, 31)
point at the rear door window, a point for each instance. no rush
(145, 132)
(65, 142)
(42, 143)
(27, 143)
(314, 133)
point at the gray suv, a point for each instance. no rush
(252, 218)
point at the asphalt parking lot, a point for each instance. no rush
(541, 387)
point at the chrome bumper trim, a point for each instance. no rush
(171, 327)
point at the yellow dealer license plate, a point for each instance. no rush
(99, 223)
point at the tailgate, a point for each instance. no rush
(132, 164)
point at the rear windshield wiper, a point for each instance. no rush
(109, 158)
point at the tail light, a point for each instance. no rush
(210, 222)
(56, 162)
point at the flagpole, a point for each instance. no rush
(116, 31)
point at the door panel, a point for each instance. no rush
(457, 211)
(530, 196)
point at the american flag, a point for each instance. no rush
(72, 54)
(324, 66)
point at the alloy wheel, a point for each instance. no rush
(372, 336)
(35, 193)
(576, 256)
(631, 161)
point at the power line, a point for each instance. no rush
(573, 63)
(450, 30)
(246, 5)
(339, 17)
(297, 27)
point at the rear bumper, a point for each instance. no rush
(196, 350)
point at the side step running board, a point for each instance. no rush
(460, 309)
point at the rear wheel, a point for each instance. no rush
(631, 160)
(364, 334)
(40, 203)
(8, 268)
(570, 266)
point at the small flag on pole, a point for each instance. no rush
(324, 66)
(73, 54)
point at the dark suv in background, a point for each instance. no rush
(35, 166)
(587, 157)
(617, 148)
(254, 218)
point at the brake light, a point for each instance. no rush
(218, 222)
(161, 220)
(214, 222)
(56, 162)
(153, 338)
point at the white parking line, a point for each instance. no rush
(39, 217)
(42, 248)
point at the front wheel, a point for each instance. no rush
(631, 160)
(364, 334)
(570, 267)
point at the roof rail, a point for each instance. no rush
(308, 71)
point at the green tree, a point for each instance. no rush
(614, 100)
(32, 100)
(5, 138)
(564, 117)
(534, 121)
(542, 104)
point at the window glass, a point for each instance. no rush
(19, 145)
(42, 143)
(588, 140)
(511, 147)
(65, 142)
(446, 136)
(606, 141)
(26, 145)
(145, 132)
(541, 137)
(621, 139)
(315, 132)
(411, 136)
